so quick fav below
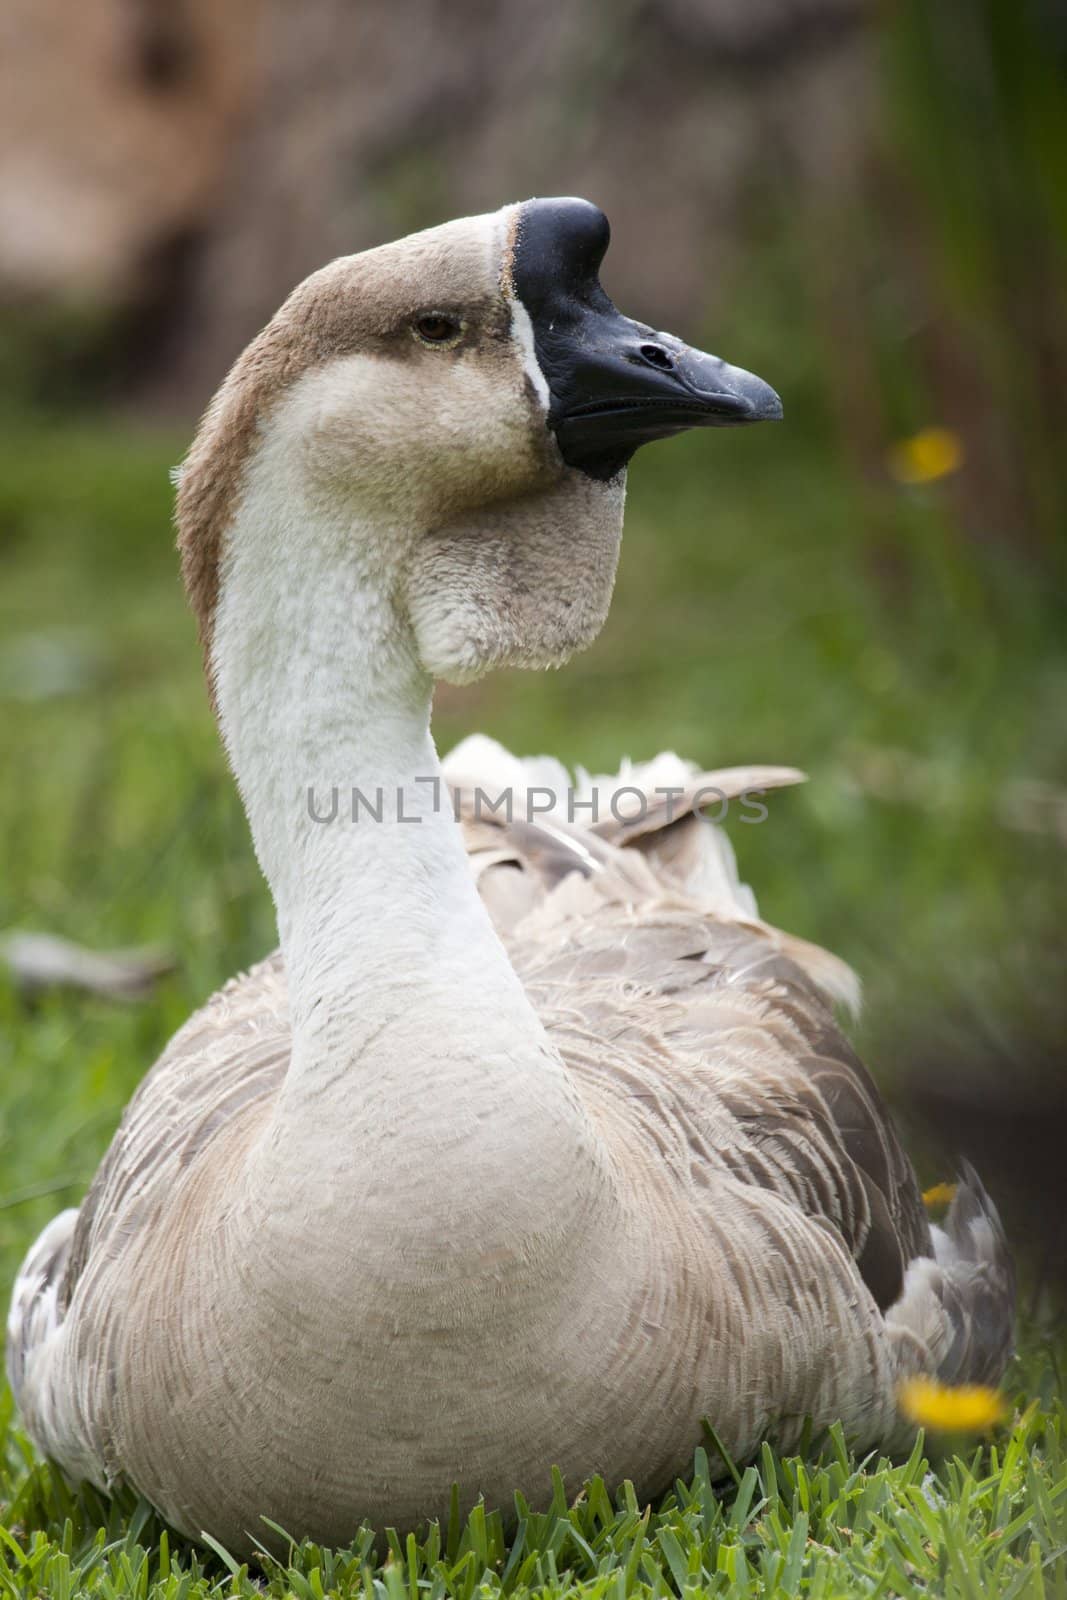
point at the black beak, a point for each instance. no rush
(614, 384)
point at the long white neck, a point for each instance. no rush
(411, 1031)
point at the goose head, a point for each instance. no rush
(453, 412)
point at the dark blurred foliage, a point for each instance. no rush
(978, 118)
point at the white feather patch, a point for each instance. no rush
(522, 330)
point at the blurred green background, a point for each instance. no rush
(866, 205)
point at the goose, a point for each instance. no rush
(533, 1145)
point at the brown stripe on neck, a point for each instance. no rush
(213, 472)
(333, 313)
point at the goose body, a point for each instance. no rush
(533, 1144)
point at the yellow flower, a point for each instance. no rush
(930, 454)
(941, 1194)
(963, 1408)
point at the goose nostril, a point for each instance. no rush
(656, 356)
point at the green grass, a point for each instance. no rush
(992, 1523)
(770, 607)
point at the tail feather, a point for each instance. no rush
(979, 1277)
(956, 1317)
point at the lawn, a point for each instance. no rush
(770, 607)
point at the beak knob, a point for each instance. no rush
(614, 384)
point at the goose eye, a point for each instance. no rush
(436, 328)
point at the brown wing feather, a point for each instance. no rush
(618, 952)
